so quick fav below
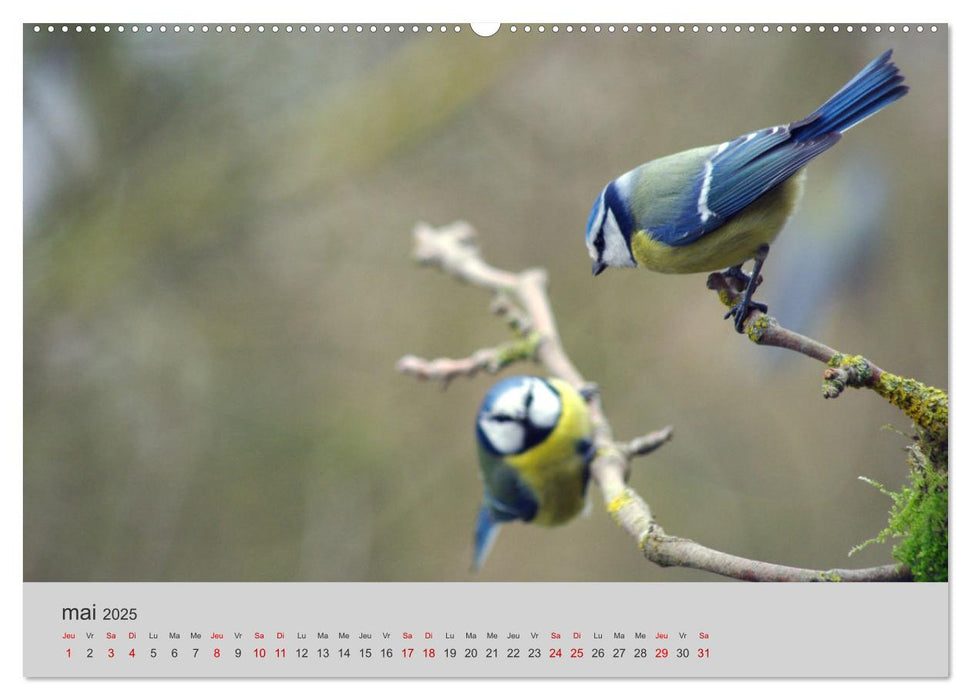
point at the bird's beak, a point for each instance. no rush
(598, 267)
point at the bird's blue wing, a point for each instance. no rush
(508, 496)
(736, 180)
(506, 493)
(734, 175)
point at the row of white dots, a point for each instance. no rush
(246, 28)
(723, 28)
(414, 28)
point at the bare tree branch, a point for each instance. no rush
(646, 444)
(927, 406)
(491, 360)
(453, 250)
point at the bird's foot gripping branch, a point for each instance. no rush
(523, 297)
(919, 512)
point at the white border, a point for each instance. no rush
(510, 11)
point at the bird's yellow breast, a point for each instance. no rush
(736, 241)
(554, 469)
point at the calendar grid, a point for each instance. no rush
(472, 630)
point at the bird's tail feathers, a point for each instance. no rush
(872, 89)
(486, 530)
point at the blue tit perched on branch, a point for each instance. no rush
(719, 206)
(535, 446)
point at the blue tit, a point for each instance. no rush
(535, 445)
(719, 206)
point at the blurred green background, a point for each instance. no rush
(217, 286)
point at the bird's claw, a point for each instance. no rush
(745, 305)
(741, 312)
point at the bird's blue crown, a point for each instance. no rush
(612, 200)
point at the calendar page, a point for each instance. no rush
(470, 351)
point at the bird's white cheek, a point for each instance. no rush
(616, 253)
(544, 410)
(506, 437)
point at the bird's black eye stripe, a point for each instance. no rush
(598, 242)
(503, 418)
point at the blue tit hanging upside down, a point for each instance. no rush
(535, 447)
(719, 206)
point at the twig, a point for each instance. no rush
(491, 360)
(646, 444)
(927, 406)
(453, 249)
